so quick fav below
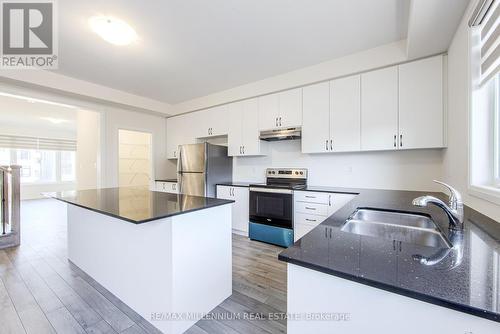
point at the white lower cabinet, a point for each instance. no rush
(312, 208)
(240, 208)
(167, 187)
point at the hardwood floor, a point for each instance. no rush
(41, 292)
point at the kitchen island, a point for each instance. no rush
(166, 256)
(354, 283)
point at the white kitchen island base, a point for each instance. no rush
(323, 303)
(169, 270)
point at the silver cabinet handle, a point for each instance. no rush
(329, 200)
(401, 140)
(395, 139)
(243, 149)
(310, 196)
(240, 150)
(308, 208)
(326, 145)
(331, 144)
(310, 220)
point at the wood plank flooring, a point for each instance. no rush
(41, 292)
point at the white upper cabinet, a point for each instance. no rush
(331, 116)
(173, 137)
(379, 109)
(269, 110)
(234, 136)
(280, 110)
(179, 132)
(345, 114)
(421, 104)
(290, 108)
(316, 118)
(243, 136)
(211, 122)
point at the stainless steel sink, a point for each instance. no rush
(406, 227)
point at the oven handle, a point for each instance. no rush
(272, 190)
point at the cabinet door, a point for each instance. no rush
(421, 104)
(379, 109)
(290, 108)
(173, 137)
(235, 129)
(337, 201)
(218, 121)
(345, 114)
(224, 192)
(250, 127)
(159, 186)
(240, 208)
(268, 112)
(316, 118)
(171, 187)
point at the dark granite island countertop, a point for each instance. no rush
(464, 278)
(136, 204)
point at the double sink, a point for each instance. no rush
(406, 227)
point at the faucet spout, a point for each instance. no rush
(454, 211)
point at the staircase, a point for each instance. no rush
(10, 205)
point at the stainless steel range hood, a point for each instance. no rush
(281, 134)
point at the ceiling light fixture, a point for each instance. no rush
(54, 120)
(34, 100)
(113, 30)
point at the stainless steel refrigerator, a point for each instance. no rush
(201, 166)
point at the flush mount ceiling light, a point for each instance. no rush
(113, 30)
(54, 120)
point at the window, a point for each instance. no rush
(68, 170)
(484, 120)
(41, 166)
(497, 132)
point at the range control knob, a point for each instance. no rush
(301, 173)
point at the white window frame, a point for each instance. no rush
(491, 191)
(13, 159)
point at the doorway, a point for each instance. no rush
(134, 158)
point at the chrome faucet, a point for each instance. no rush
(454, 211)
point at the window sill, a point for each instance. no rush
(488, 193)
(34, 184)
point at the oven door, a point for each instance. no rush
(272, 207)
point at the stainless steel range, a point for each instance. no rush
(271, 205)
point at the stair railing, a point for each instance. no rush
(10, 206)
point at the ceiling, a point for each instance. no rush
(191, 48)
(30, 118)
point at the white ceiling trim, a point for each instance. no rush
(432, 25)
(69, 85)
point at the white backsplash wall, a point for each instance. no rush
(405, 170)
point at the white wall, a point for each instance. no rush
(88, 149)
(381, 56)
(408, 170)
(456, 156)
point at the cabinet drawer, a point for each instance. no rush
(311, 208)
(311, 197)
(305, 219)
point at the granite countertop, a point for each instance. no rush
(236, 184)
(166, 180)
(136, 204)
(464, 278)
